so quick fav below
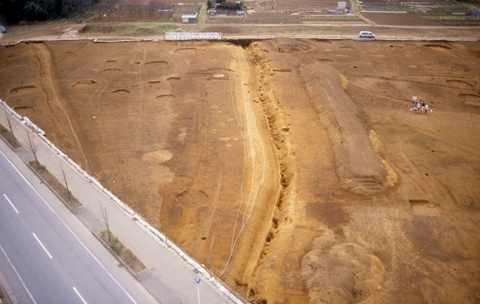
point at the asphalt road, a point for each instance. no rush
(46, 254)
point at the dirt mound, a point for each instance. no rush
(96, 29)
(285, 45)
(359, 168)
(340, 272)
(157, 157)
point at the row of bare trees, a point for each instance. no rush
(32, 143)
(33, 146)
(15, 11)
(30, 139)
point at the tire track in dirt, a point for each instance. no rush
(54, 92)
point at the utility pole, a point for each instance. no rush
(197, 280)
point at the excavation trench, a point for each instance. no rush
(278, 130)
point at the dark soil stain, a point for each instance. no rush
(330, 214)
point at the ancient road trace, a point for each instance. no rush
(247, 123)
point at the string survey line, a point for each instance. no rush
(252, 147)
(251, 143)
(258, 134)
(253, 161)
(240, 123)
(250, 137)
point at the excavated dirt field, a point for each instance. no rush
(295, 169)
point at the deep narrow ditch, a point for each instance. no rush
(279, 129)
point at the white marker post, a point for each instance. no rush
(198, 288)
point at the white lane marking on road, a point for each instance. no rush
(38, 240)
(18, 275)
(80, 296)
(71, 231)
(10, 203)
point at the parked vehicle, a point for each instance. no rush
(367, 34)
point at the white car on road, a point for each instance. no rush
(367, 34)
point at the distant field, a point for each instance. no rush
(134, 29)
(296, 168)
(399, 19)
(419, 13)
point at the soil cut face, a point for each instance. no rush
(296, 170)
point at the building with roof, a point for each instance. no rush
(189, 18)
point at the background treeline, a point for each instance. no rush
(17, 11)
(224, 5)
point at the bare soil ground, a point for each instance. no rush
(301, 5)
(399, 19)
(292, 168)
